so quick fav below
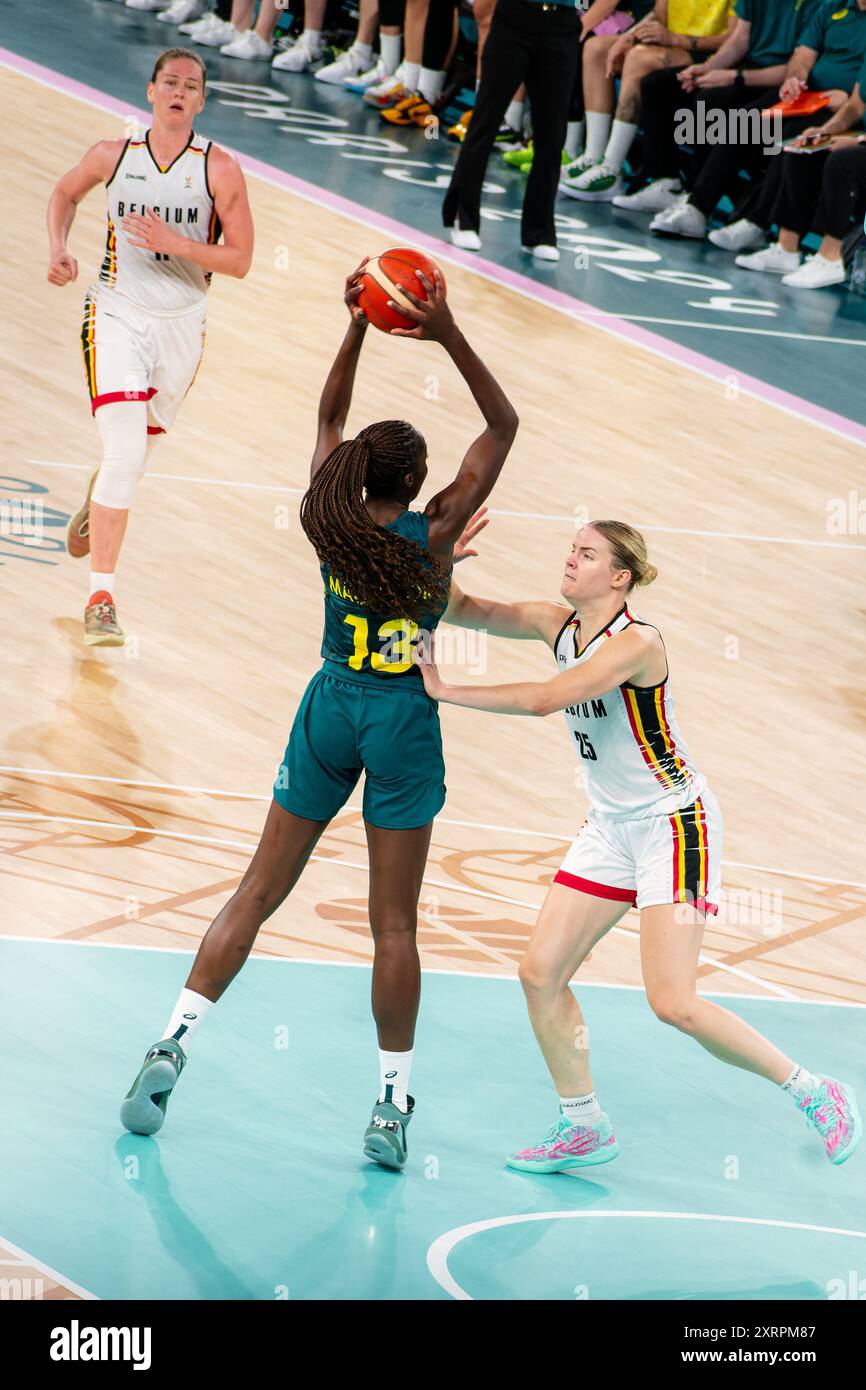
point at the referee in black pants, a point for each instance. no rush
(535, 42)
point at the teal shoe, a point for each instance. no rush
(385, 1136)
(143, 1110)
(566, 1147)
(832, 1111)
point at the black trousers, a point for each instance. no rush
(824, 191)
(758, 204)
(536, 44)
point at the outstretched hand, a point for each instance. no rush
(432, 316)
(352, 292)
(423, 657)
(476, 523)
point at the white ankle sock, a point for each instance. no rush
(430, 83)
(410, 76)
(394, 1069)
(574, 135)
(619, 143)
(313, 37)
(188, 1015)
(390, 48)
(364, 52)
(580, 1110)
(801, 1082)
(514, 116)
(598, 125)
(101, 581)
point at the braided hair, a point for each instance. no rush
(380, 569)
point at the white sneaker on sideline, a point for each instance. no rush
(249, 45)
(658, 196)
(741, 235)
(143, 4)
(466, 241)
(216, 34)
(542, 253)
(598, 183)
(299, 57)
(365, 80)
(181, 12)
(379, 94)
(349, 64)
(683, 219)
(772, 259)
(815, 273)
(198, 26)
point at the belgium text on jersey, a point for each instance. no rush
(77, 1343)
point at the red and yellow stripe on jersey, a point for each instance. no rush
(108, 269)
(690, 856)
(88, 345)
(646, 715)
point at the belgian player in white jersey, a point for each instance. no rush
(652, 840)
(171, 196)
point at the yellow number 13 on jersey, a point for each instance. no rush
(398, 633)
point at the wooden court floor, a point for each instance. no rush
(134, 782)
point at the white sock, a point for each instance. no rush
(188, 1015)
(394, 1069)
(313, 38)
(574, 134)
(801, 1082)
(101, 581)
(364, 52)
(430, 83)
(619, 143)
(410, 77)
(598, 125)
(580, 1110)
(514, 115)
(390, 48)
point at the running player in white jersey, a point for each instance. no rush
(171, 195)
(652, 840)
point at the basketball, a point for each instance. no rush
(385, 277)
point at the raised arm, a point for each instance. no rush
(336, 394)
(97, 166)
(451, 508)
(636, 655)
(523, 621)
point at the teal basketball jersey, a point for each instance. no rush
(369, 646)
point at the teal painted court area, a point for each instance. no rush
(257, 1188)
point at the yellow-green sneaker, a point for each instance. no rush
(101, 628)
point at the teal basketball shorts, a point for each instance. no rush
(344, 727)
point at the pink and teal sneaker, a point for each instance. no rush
(832, 1109)
(566, 1147)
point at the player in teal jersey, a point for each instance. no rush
(386, 573)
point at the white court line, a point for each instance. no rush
(364, 868)
(445, 820)
(492, 511)
(47, 1269)
(437, 1255)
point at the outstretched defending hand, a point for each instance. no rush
(432, 315)
(423, 656)
(476, 523)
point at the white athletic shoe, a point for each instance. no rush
(198, 26)
(598, 183)
(541, 253)
(683, 219)
(181, 12)
(378, 94)
(465, 241)
(741, 235)
(249, 45)
(658, 196)
(371, 78)
(216, 34)
(299, 57)
(143, 4)
(772, 259)
(349, 64)
(816, 272)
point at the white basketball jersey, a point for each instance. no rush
(181, 195)
(633, 757)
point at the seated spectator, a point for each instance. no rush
(696, 27)
(821, 190)
(765, 37)
(829, 55)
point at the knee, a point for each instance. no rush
(393, 927)
(537, 978)
(261, 895)
(675, 1008)
(124, 450)
(638, 62)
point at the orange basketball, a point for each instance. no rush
(385, 277)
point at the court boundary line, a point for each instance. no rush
(52, 1273)
(492, 511)
(668, 350)
(428, 970)
(446, 820)
(442, 1246)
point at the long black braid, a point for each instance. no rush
(382, 570)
